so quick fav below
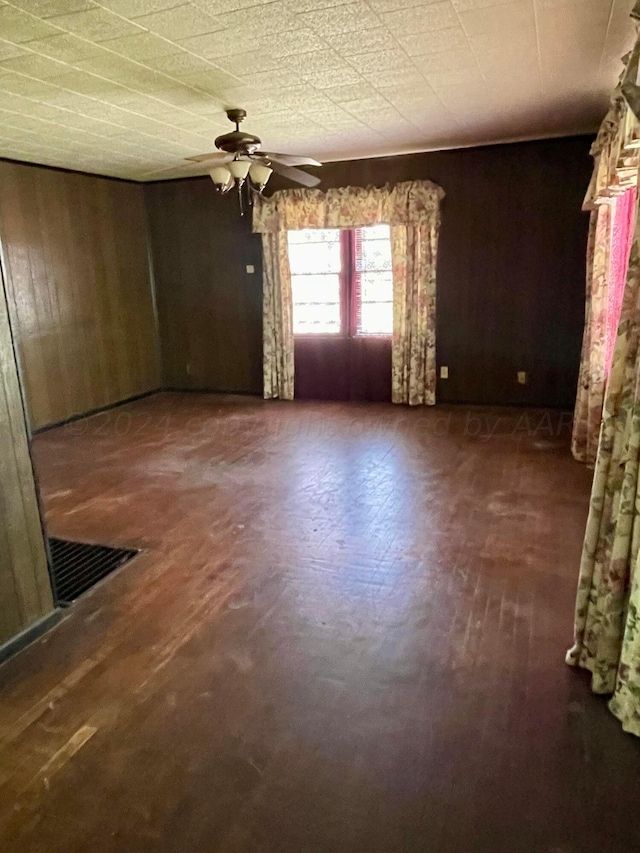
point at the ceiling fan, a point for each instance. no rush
(239, 156)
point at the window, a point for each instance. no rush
(372, 282)
(315, 260)
(342, 281)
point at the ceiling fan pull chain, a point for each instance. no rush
(240, 198)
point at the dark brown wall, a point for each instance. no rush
(510, 272)
(25, 591)
(209, 308)
(76, 255)
(511, 265)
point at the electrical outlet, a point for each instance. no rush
(188, 368)
(250, 269)
(444, 371)
(522, 377)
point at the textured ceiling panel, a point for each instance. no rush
(131, 88)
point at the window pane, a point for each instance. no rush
(376, 287)
(376, 318)
(376, 232)
(316, 319)
(315, 260)
(314, 257)
(315, 288)
(315, 235)
(375, 281)
(376, 255)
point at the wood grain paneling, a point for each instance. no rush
(511, 264)
(343, 368)
(76, 257)
(209, 307)
(25, 591)
(510, 272)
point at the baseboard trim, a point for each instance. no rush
(217, 391)
(171, 390)
(97, 411)
(29, 635)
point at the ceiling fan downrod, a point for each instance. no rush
(236, 116)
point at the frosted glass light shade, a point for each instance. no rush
(239, 169)
(220, 176)
(260, 174)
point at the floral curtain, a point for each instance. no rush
(607, 616)
(413, 362)
(622, 225)
(607, 623)
(412, 209)
(406, 203)
(591, 379)
(616, 153)
(277, 310)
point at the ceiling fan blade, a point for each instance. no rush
(290, 159)
(217, 158)
(296, 175)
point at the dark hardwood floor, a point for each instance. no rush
(346, 634)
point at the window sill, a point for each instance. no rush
(335, 336)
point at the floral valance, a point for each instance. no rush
(616, 149)
(407, 203)
(616, 153)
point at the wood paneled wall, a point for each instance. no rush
(510, 272)
(25, 591)
(511, 265)
(76, 258)
(209, 307)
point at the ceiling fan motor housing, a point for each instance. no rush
(238, 142)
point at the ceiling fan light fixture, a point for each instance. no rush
(222, 178)
(260, 174)
(239, 169)
(238, 156)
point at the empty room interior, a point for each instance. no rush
(319, 426)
